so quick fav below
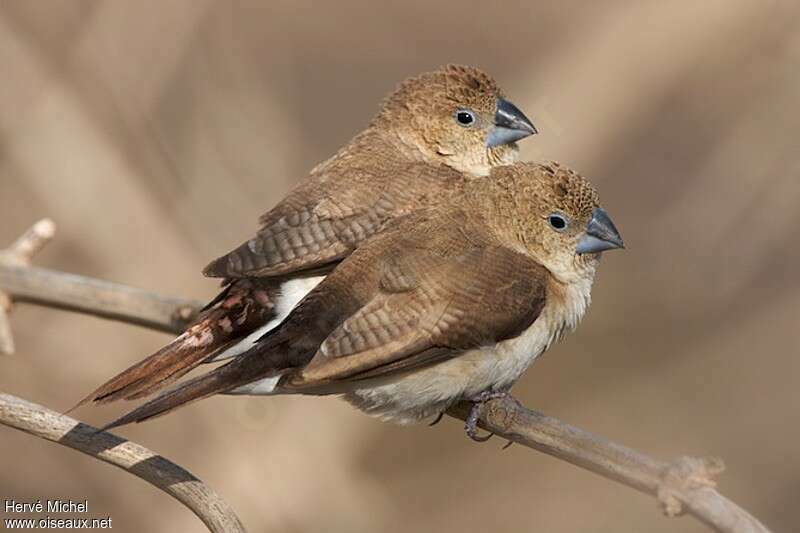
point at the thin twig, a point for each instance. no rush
(33, 240)
(685, 485)
(129, 456)
(6, 339)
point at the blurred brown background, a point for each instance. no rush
(156, 133)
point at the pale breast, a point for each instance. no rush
(424, 393)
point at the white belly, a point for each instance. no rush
(429, 391)
(412, 397)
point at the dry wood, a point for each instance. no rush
(20, 254)
(96, 297)
(25, 283)
(6, 340)
(683, 485)
(129, 456)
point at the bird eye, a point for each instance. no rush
(465, 117)
(558, 221)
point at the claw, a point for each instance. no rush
(471, 426)
(473, 434)
(437, 420)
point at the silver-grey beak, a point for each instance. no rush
(601, 234)
(510, 124)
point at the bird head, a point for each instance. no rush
(458, 116)
(554, 214)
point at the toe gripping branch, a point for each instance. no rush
(471, 425)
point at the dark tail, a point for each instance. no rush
(239, 310)
(244, 369)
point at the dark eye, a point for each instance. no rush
(465, 117)
(558, 221)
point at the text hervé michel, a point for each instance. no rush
(50, 506)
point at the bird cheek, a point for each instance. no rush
(455, 144)
(444, 149)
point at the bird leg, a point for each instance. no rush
(471, 425)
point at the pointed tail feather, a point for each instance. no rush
(166, 365)
(237, 312)
(238, 372)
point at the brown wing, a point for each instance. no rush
(443, 293)
(341, 203)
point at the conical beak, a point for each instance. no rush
(601, 234)
(510, 124)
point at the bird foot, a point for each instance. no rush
(471, 426)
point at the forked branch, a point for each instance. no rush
(684, 485)
(19, 254)
(20, 281)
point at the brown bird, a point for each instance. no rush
(451, 302)
(433, 133)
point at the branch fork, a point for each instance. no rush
(20, 254)
(16, 273)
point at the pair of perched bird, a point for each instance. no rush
(419, 266)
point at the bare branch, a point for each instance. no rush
(24, 283)
(685, 485)
(20, 254)
(96, 297)
(129, 456)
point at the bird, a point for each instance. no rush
(432, 134)
(450, 302)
